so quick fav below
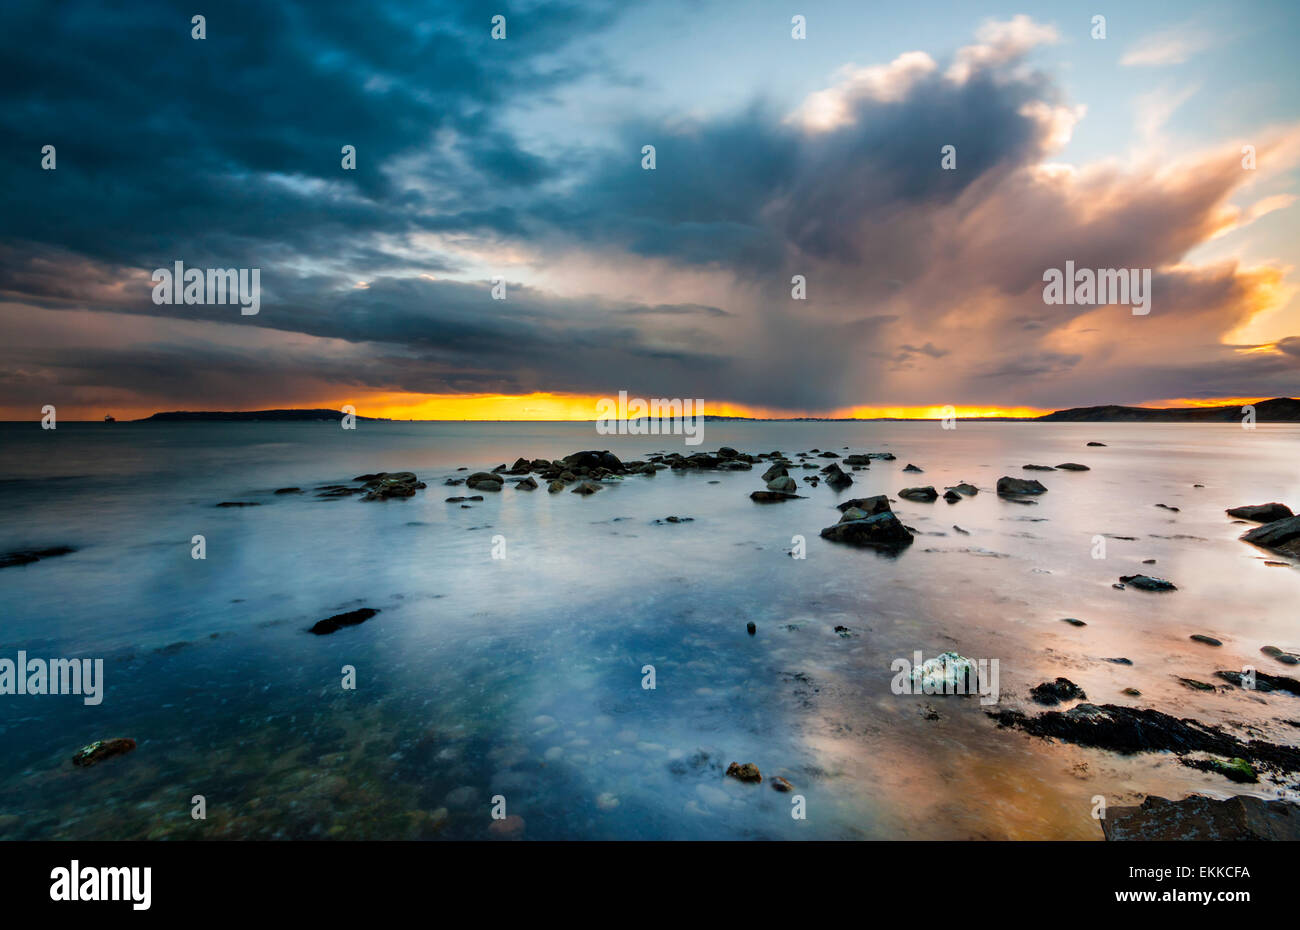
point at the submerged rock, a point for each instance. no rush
(750, 628)
(1204, 819)
(1038, 468)
(338, 621)
(28, 556)
(1202, 638)
(747, 772)
(1073, 466)
(239, 504)
(1011, 486)
(1148, 583)
(771, 497)
(102, 749)
(1261, 513)
(780, 784)
(1072, 621)
(1096, 444)
(1262, 682)
(880, 530)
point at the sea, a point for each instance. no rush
(567, 667)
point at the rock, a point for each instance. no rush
(1097, 444)
(837, 479)
(484, 481)
(859, 461)
(1195, 685)
(951, 496)
(458, 500)
(1167, 507)
(960, 530)
(1148, 583)
(771, 497)
(1204, 819)
(388, 485)
(967, 489)
(554, 486)
(1132, 692)
(1120, 660)
(338, 621)
(1073, 466)
(28, 556)
(102, 749)
(527, 484)
(586, 487)
(868, 505)
(1038, 467)
(780, 784)
(747, 772)
(947, 673)
(1072, 621)
(239, 504)
(1262, 682)
(1285, 658)
(1202, 638)
(782, 483)
(1280, 535)
(288, 490)
(1261, 513)
(1129, 730)
(925, 494)
(1056, 692)
(1238, 770)
(776, 471)
(750, 628)
(1011, 486)
(910, 467)
(879, 530)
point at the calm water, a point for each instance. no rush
(521, 676)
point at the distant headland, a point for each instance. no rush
(1277, 410)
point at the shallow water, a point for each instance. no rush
(522, 677)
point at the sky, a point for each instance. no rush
(517, 163)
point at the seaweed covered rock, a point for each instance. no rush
(102, 749)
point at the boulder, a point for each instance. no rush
(879, 530)
(1204, 819)
(527, 484)
(776, 471)
(1280, 535)
(877, 504)
(782, 483)
(1261, 513)
(586, 487)
(1012, 486)
(484, 481)
(836, 478)
(924, 495)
